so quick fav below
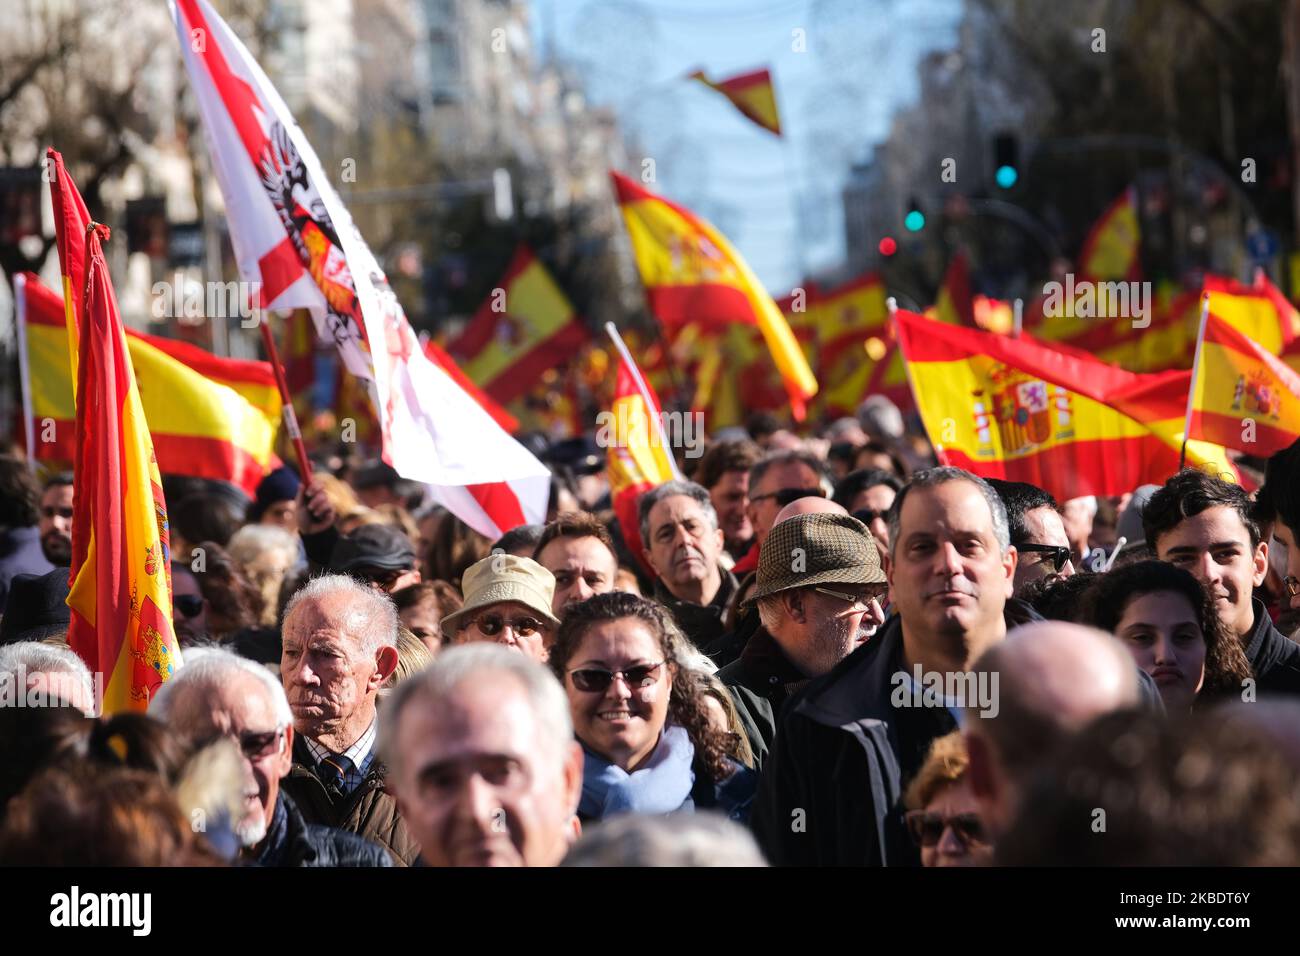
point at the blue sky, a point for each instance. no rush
(777, 199)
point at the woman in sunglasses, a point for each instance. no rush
(507, 600)
(1170, 626)
(650, 743)
(943, 816)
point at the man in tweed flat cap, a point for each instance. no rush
(818, 590)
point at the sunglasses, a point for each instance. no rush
(493, 624)
(927, 828)
(254, 745)
(787, 495)
(596, 680)
(1058, 555)
(188, 604)
(382, 577)
(866, 515)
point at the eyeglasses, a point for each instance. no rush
(382, 577)
(927, 828)
(253, 745)
(1292, 585)
(1057, 554)
(866, 515)
(860, 602)
(787, 495)
(188, 604)
(596, 680)
(493, 624)
(51, 512)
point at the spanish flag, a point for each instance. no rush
(526, 326)
(209, 417)
(639, 455)
(1023, 411)
(693, 277)
(1259, 312)
(751, 93)
(1243, 396)
(121, 577)
(852, 333)
(1112, 249)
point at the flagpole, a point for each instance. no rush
(1018, 320)
(24, 370)
(286, 402)
(645, 393)
(1196, 368)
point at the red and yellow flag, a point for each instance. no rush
(1112, 249)
(693, 277)
(1021, 410)
(852, 339)
(752, 93)
(121, 577)
(1259, 312)
(639, 456)
(1243, 396)
(209, 417)
(526, 326)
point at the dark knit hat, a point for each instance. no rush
(278, 485)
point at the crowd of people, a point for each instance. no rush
(827, 650)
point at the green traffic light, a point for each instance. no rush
(1006, 176)
(914, 221)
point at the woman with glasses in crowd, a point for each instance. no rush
(650, 742)
(507, 600)
(1170, 626)
(943, 816)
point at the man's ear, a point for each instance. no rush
(721, 538)
(385, 664)
(793, 601)
(286, 759)
(649, 560)
(1261, 563)
(1009, 562)
(887, 565)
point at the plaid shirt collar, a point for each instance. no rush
(361, 753)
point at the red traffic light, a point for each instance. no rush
(887, 246)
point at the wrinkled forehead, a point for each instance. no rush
(675, 509)
(331, 616)
(486, 715)
(234, 702)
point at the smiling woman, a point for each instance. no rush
(649, 743)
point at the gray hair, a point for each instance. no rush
(37, 657)
(476, 662)
(680, 839)
(932, 477)
(372, 616)
(670, 489)
(207, 667)
(253, 539)
(784, 457)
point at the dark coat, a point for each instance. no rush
(20, 553)
(702, 623)
(1273, 657)
(368, 811)
(292, 842)
(831, 789)
(760, 681)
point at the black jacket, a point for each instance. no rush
(702, 623)
(1273, 656)
(760, 680)
(291, 842)
(831, 789)
(368, 811)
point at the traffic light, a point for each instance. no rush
(887, 246)
(914, 221)
(1006, 160)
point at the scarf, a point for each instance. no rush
(661, 785)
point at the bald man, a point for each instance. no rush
(1052, 679)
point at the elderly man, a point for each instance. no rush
(1053, 679)
(36, 671)
(724, 471)
(1037, 532)
(682, 542)
(508, 601)
(485, 766)
(842, 747)
(579, 551)
(339, 648)
(1206, 525)
(819, 585)
(219, 694)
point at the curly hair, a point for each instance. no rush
(235, 602)
(945, 765)
(686, 706)
(1103, 605)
